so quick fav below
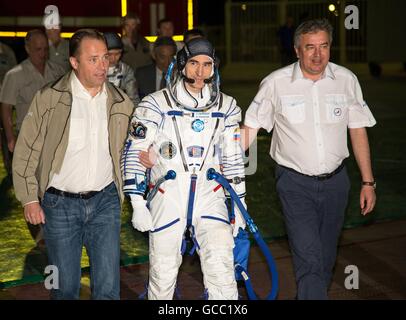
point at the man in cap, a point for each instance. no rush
(58, 46)
(120, 74)
(192, 127)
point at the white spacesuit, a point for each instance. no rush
(190, 134)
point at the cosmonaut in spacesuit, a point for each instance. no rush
(191, 127)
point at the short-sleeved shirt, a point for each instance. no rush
(7, 60)
(60, 54)
(22, 82)
(309, 118)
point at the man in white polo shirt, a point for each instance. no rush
(309, 105)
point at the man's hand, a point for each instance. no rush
(11, 143)
(148, 159)
(367, 199)
(34, 214)
(141, 219)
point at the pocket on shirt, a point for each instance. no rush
(336, 108)
(293, 108)
(76, 134)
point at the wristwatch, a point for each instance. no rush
(369, 183)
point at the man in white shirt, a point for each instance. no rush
(66, 168)
(309, 105)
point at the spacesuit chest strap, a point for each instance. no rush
(178, 137)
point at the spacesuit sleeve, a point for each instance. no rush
(145, 122)
(232, 155)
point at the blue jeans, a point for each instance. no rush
(313, 212)
(71, 223)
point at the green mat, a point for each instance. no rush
(21, 262)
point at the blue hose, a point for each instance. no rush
(212, 174)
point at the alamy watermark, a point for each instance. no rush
(52, 280)
(352, 20)
(351, 281)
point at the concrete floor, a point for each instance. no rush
(378, 251)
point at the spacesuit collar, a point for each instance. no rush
(192, 100)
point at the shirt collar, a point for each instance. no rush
(298, 74)
(78, 90)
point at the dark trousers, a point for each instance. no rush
(313, 212)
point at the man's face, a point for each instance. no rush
(313, 53)
(130, 26)
(53, 34)
(114, 57)
(198, 68)
(163, 56)
(166, 29)
(37, 49)
(91, 63)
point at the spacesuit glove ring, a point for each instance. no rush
(141, 219)
(239, 221)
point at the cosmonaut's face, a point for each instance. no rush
(198, 68)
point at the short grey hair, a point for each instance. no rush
(313, 26)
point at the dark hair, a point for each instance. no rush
(313, 26)
(78, 36)
(165, 20)
(32, 33)
(193, 32)
(165, 41)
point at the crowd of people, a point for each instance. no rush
(104, 116)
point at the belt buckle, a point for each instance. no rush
(84, 195)
(323, 176)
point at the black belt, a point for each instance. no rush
(81, 195)
(324, 176)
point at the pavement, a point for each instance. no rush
(377, 252)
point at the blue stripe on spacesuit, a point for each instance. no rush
(192, 191)
(166, 225)
(217, 115)
(215, 218)
(175, 113)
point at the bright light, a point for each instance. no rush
(190, 14)
(175, 38)
(123, 8)
(244, 7)
(12, 34)
(331, 7)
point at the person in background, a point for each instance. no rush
(136, 48)
(191, 34)
(119, 73)
(7, 61)
(151, 78)
(58, 46)
(165, 28)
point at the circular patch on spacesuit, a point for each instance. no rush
(167, 150)
(198, 125)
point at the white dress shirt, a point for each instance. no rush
(309, 118)
(87, 165)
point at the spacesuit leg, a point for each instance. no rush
(164, 261)
(216, 258)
